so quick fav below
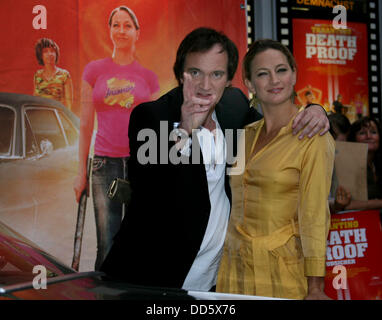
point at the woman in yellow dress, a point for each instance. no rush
(276, 240)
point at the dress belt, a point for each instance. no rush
(261, 247)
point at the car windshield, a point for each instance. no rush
(7, 125)
(19, 258)
(70, 131)
(45, 127)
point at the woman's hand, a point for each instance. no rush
(316, 287)
(86, 131)
(343, 199)
(80, 184)
(311, 121)
(365, 204)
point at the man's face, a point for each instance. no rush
(208, 71)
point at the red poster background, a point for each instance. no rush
(364, 271)
(80, 28)
(349, 79)
(18, 61)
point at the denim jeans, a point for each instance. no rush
(108, 213)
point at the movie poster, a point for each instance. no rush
(354, 243)
(39, 139)
(332, 62)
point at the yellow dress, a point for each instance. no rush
(280, 216)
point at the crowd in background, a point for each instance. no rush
(367, 130)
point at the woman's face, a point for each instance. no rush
(272, 78)
(369, 134)
(122, 30)
(49, 56)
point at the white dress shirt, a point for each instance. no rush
(203, 272)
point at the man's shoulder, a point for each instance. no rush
(172, 97)
(163, 108)
(234, 94)
(234, 109)
(233, 99)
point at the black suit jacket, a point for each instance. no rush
(169, 209)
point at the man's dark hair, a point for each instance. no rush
(340, 122)
(202, 40)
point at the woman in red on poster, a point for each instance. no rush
(51, 81)
(368, 130)
(111, 88)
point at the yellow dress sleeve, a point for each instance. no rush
(313, 211)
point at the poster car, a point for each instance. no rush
(38, 140)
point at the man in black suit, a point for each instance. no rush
(174, 229)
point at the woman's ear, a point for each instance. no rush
(294, 78)
(249, 85)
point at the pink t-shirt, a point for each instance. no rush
(117, 89)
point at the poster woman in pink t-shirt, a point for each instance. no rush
(111, 88)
